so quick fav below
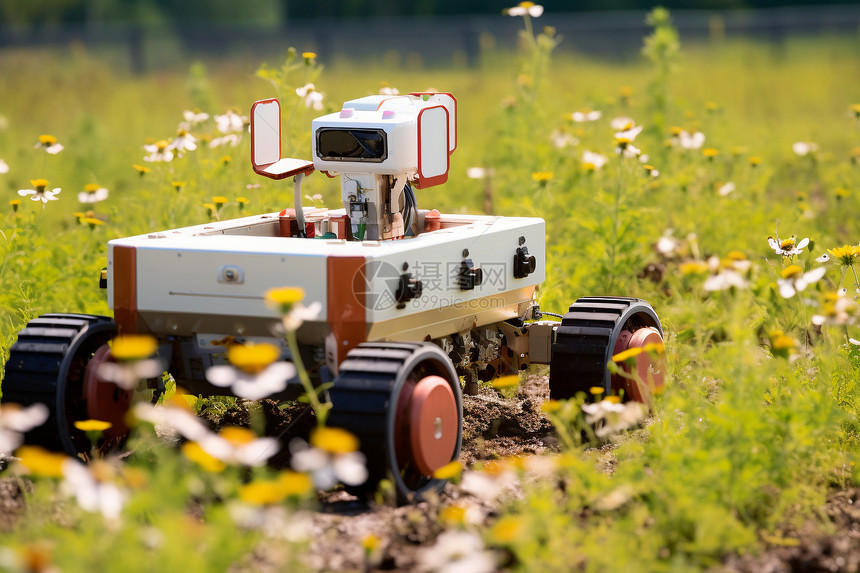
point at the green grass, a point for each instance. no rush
(744, 442)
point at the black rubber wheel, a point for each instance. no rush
(365, 396)
(585, 341)
(47, 365)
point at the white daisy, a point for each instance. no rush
(93, 193)
(230, 122)
(231, 138)
(183, 141)
(526, 8)
(804, 147)
(158, 151)
(726, 189)
(586, 116)
(788, 247)
(41, 191)
(691, 141)
(4, 167)
(592, 160)
(49, 144)
(794, 280)
(312, 98)
(455, 552)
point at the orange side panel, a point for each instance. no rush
(347, 288)
(125, 288)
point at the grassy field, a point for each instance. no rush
(759, 421)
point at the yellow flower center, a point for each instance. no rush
(241, 200)
(261, 492)
(140, 168)
(755, 160)
(449, 470)
(47, 140)
(542, 176)
(219, 201)
(91, 187)
(526, 4)
(295, 483)
(588, 166)
(39, 184)
(736, 256)
(370, 543)
(334, 440)
(710, 152)
(309, 55)
(282, 299)
(787, 243)
(693, 268)
(551, 406)
(237, 436)
(791, 271)
(506, 381)
(198, 455)
(507, 529)
(133, 347)
(161, 145)
(781, 341)
(253, 358)
(41, 462)
(675, 131)
(92, 425)
(453, 514)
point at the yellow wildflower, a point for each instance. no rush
(282, 299)
(40, 461)
(133, 347)
(295, 484)
(507, 529)
(506, 381)
(449, 470)
(846, 254)
(92, 425)
(710, 152)
(334, 440)
(542, 177)
(198, 455)
(550, 406)
(453, 515)
(252, 358)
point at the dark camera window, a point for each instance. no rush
(352, 145)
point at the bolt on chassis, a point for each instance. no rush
(411, 300)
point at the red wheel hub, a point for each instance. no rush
(648, 371)
(105, 400)
(427, 424)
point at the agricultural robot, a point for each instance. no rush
(415, 305)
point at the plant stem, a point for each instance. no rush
(320, 409)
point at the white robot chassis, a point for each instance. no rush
(412, 300)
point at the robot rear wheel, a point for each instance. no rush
(594, 330)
